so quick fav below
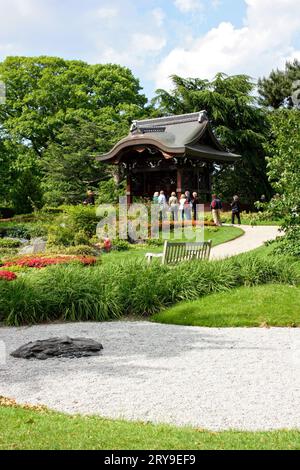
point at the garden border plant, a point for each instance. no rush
(108, 292)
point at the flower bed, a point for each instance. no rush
(7, 276)
(40, 262)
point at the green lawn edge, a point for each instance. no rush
(22, 429)
(273, 305)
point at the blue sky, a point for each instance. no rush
(157, 38)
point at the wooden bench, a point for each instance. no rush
(175, 253)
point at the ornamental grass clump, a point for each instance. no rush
(130, 287)
(255, 270)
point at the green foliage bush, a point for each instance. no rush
(155, 242)
(112, 290)
(290, 244)
(5, 252)
(81, 219)
(59, 236)
(18, 231)
(81, 238)
(9, 243)
(75, 226)
(38, 231)
(121, 245)
(84, 250)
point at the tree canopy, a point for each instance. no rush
(278, 89)
(237, 121)
(50, 103)
(284, 172)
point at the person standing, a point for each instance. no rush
(188, 209)
(173, 203)
(216, 207)
(182, 206)
(155, 198)
(195, 203)
(162, 202)
(236, 210)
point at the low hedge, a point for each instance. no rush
(9, 243)
(106, 292)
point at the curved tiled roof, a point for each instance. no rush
(184, 135)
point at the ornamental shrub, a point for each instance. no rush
(9, 243)
(130, 287)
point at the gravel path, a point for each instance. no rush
(247, 379)
(254, 238)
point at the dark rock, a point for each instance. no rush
(59, 347)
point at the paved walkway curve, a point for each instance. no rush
(253, 238)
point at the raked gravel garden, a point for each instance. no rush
(214, 379)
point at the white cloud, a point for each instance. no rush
(147, 42)
(264, 42)
(105, 13)
(140, 48)
(186, 6)
(159, 16)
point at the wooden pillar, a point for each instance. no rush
(179, 182)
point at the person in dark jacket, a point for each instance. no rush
(195, 203)
(236, 210)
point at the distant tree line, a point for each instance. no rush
(58, 114)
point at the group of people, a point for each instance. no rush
(217, 206)
(185, 206)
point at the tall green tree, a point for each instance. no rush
(284, 173)
(277, 89)
(237, 121)
(53, 104)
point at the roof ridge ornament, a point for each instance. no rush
(203, 116)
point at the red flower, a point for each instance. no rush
(42, 262)
(7, 276)
(107, 244)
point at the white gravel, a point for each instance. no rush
(246, 379)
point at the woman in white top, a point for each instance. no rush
(182, 206)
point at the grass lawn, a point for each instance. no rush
(273, 305)
(217, 235)
(22, 429)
